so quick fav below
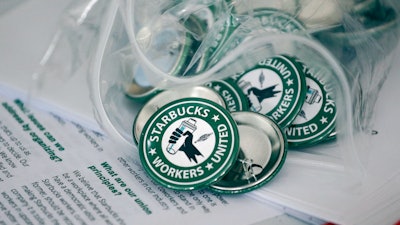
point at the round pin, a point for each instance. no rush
(189, 144)
(214, 41)
(169, 95)
(140, 93)
(316, 119)
(233, 96)
(197, 28)
(139, 88)
(168, 47)
(262, 153)
(276, 88)
(266, 20)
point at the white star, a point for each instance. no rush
(215, 118)
(289, 82)
(152, 151)
(209, 166)
(217, 88)
(323, 120)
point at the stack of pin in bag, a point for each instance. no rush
(231, 133)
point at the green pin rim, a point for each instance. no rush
(276, 88)
(263, 150)
(316, 120)
(204, 145)
(164, 97)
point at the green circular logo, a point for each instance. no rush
(189, 144)
(316, 119)
(275, 88)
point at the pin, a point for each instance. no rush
(167, 96)
(317, 117)
(262, 153)
(276, 88)
(189, 144)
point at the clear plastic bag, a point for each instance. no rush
(350, 44)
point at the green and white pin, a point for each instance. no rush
(262, 154)
(276, 88)
(316, 120)
(214, 41)
(166, 96)
(267, 20)
(189, 144)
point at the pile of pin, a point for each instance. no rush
(277, 104)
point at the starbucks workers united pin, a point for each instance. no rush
(316, 120)
(275, 87)
(189, 144)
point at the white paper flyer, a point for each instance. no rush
(53, 171)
